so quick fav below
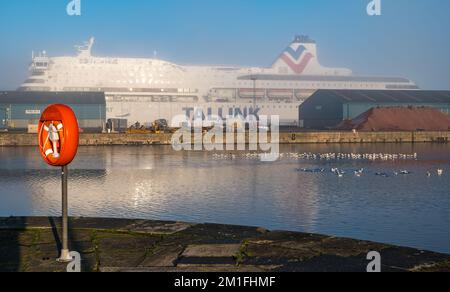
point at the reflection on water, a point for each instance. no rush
(157, 183)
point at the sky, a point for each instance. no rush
(410, 39)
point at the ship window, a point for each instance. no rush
(38, 73)
(34, 81)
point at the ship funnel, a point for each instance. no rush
(300, 57)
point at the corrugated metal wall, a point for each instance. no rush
(320, 112)
(91, 117)
(20, 109)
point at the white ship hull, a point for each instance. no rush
(145, 90)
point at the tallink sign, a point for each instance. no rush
(198, 113)
(199, 131)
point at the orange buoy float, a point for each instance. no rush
(58, 135)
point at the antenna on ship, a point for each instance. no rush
(90, 44)
(85, 50)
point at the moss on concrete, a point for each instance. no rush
(32, 245)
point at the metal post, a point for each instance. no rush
(65, 253)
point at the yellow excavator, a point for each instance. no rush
(157, 127)
(160, 126)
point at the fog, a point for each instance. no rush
(410, 38)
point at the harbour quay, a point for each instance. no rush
(294, 137)
(30, 244)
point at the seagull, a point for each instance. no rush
(382, 174)
(440, 172)
(359, 172)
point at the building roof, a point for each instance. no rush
(41, 97)
(385, 96)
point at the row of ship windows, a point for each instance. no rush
(238, 84)
(226, 108)
(123, 73)
(278, 106)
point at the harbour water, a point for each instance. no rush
(294, 193)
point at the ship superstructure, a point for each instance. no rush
(144, 90)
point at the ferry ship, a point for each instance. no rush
(145, 90)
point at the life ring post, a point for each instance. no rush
(58, 137)
(65, 252)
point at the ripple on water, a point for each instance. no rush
(157, 183)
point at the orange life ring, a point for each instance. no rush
(58, 135)
(52, 147)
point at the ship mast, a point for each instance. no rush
(84, 51)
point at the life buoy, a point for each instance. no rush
(53, 132)
(58, 135)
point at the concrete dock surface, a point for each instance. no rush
(31, 244)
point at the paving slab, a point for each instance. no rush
(212, 250)
(163, 256)
(221, 234)
(153, 227)
(122, 249)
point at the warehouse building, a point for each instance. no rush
(326, 109)
(20, 111)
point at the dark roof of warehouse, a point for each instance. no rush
(394, 96)
(41, 97)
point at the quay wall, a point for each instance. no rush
(15, 139)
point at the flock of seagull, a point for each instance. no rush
(351, 156)
(335, 156)
(358, 173)
(321, 156)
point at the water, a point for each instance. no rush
(155, 182)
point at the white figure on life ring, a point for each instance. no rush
(54, 138)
